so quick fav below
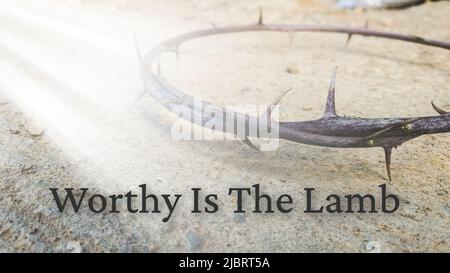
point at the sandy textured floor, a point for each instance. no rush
(76, 78)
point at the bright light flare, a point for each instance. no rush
(75, 72)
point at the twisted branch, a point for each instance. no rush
(330, 130)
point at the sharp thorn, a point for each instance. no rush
(175, 50)
(330, 107)
(142, 67)
(133, 104)
(211, 23)
(391, 127)
(260, 20)
(349, 37)
(138, 52)
(269, 110)
(387, 155)
(280, 97)
(439, 110)
(249, 143)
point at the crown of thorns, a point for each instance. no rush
(331, 130)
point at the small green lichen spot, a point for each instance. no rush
(371, 142)
(407, 127)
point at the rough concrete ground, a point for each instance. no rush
(376, 78)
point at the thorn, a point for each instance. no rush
(269, 110)
(143, 94)
(206, 19)
(387, 155)
(349, 37)
(249, 143)
(142, 67)
(133, 104)
(260, 20)
(138, 52)
(175, 50)
(211, 23)
(391, 127)
(330, 107)
(439, 110)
